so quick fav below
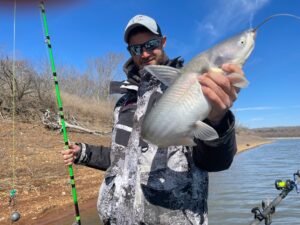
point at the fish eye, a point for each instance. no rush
(242, 42)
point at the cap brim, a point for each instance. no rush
(131, 27)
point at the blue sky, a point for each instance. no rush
(93, 28)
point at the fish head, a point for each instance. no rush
(235, 50)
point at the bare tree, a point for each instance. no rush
(21, 89)
(103, 70)
(30, 93)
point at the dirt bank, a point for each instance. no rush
(34, 168)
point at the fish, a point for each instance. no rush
(177, 117)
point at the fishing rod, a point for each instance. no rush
(61, 113)
(268, 209)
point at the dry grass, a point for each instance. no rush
(89, 112)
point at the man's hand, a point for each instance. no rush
(219, 91)
(70, 154)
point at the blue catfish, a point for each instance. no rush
(176, 118)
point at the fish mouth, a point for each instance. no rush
(249, 52)
(253, 33)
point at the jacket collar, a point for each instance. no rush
(133, 75)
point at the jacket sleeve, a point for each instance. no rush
(97, 157)
(217, 155)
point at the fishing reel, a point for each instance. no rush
(289, 184)
(269, 208)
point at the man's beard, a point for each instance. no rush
(160, 60)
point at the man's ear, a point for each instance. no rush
(164, 41)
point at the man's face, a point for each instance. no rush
(151, 57)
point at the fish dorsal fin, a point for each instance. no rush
(166, 74)
(205, 132)
(237, 79)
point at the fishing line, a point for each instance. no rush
(15, 216)
(14, 94)
(275, 15)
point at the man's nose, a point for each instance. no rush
(145, 53)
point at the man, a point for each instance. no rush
(145, 184)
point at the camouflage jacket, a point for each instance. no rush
(145, 184)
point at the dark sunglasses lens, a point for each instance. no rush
(135, 49)
(149, 46)
(152, 44)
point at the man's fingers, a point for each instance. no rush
(232, 68)
(222, 88)
(213, 98)
(68, 162)
(68, 159)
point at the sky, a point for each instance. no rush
(92, 28)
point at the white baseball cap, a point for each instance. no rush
(142, 20)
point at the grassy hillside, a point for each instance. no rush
(274, 132)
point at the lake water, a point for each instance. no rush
(234, 192)
(251, 178)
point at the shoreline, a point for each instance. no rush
(55, 216)
(247, 147)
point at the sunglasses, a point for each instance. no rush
(136, 50)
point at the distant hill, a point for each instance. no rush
(293, 131)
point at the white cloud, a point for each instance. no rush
(227, 15)
(258, 108)
(263, 108)
(257, 119)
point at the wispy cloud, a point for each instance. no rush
(227, 15)
(259, 108)
(263, 108)
(257, 119)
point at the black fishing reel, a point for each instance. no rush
(289, 184)
(268, 209)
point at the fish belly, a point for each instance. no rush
(171, 121)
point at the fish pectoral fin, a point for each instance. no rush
(205, 132)
(166, 74)
(238, 80)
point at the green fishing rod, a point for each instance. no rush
(60, 108)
